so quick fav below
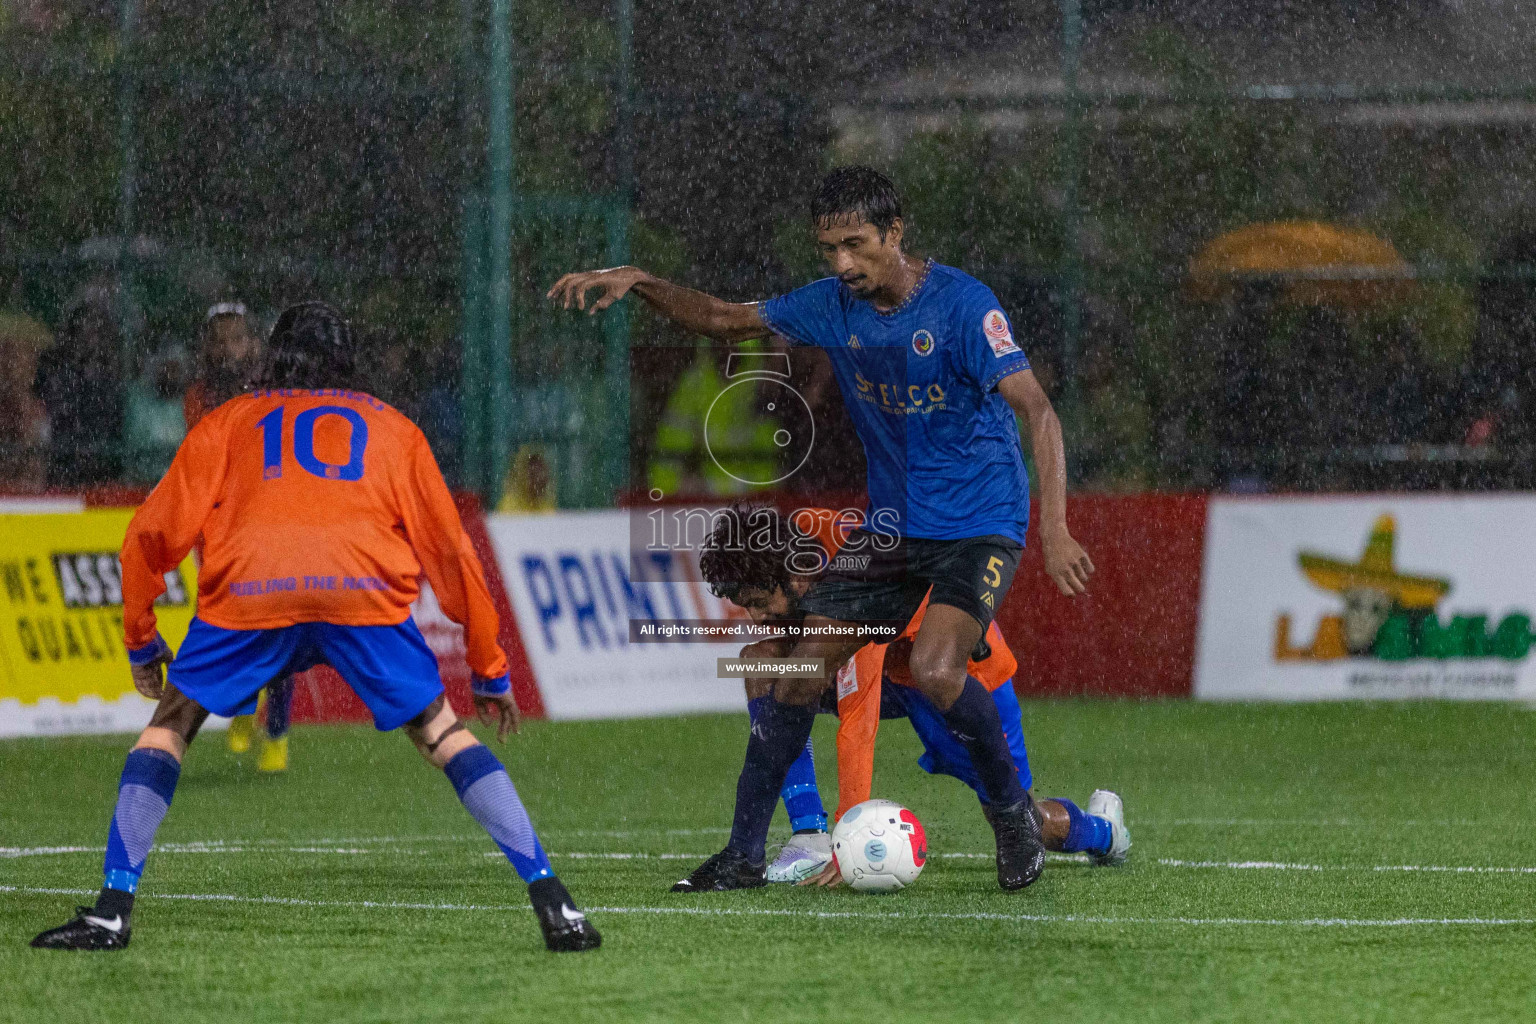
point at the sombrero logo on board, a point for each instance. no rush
(1391, 616)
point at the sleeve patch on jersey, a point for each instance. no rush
(847, 681)
(995, 326)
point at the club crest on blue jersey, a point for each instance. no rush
(995, 326)
(853, 341)
(922, 343)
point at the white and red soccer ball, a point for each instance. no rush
(880, 846)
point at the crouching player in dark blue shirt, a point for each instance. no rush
(932, 379)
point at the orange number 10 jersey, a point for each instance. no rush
(312, 506)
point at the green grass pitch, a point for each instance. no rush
(1290, 864)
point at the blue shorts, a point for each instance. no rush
(945, 755)
(390, 667)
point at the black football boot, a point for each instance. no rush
(724, 871)
(566, 929)
(1020, 847)
(86, 930)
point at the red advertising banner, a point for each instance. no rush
(1133, 634)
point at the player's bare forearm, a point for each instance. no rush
(1050, 453)
(692, 310)
(1065, 560)
(701, 313)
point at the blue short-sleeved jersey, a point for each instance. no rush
(920, 383)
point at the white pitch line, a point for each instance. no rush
(1269, 865)
(895, 915)
(607, 833)
(303, 845)
(13, 852)
(42, 851)
(1312, 822)
(1060, 858)
(618, 856)
(334, 847)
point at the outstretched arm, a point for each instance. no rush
(692, 310)
(448, 559)
(1065, 560)
(161, 533)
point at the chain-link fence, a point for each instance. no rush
(166, 159)
(1248, 246)
(1257, 246)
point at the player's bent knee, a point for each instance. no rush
(438, 734)
(452, 745)
(937, 675)
(156, 738)
(174, 724)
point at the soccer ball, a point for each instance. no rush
(880, 846)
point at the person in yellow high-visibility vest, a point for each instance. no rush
(739, 454)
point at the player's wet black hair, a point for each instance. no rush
(311, 347)
(747, 549)
(856, 191)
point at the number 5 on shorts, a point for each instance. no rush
(992, 577)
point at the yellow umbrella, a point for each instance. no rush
(1316, 264)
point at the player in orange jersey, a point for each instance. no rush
(320, 509)
(228, 354)
(752, 559)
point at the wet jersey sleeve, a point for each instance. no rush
(448, 558)
(987, 350)
(858, 720)
(166, 526)
(806, 316)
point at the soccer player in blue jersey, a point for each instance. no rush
(932, 378)
(767, 583)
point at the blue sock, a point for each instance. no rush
(1085, 832)
(143, 796)
(974, 721)
(279, 707)
(487, 793)
(802, 800)
(779, 735)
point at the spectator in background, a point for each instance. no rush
(395, 370)
(23, 420)
(155, 423)
(228, 351)
(530, 485)
(740, 452)
(1500, 385)
(1321, 389)
(1246, 421)
(421, 380)
(1396, 402)
(79, 381)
